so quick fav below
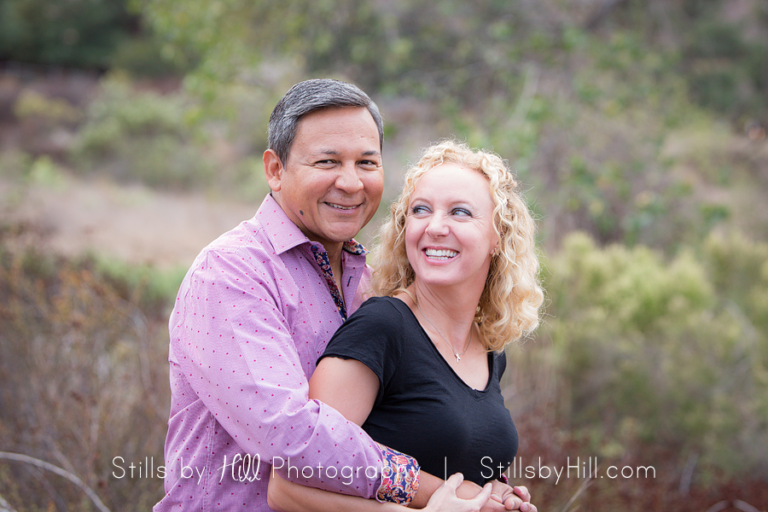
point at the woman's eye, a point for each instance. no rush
(462, 211)
(419, 209)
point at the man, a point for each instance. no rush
(258, 307)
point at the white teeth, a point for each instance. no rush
(442, 254)
(339, 207)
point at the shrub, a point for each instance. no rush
(80, 33)
(83, 379)
(669, 347)
(142, 136)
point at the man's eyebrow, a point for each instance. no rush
(336, 153)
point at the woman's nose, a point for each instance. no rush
(437, 226)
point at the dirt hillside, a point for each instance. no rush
(131, 223)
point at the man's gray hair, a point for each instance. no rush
(307, 97)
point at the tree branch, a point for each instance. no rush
(602, 12)
(61, 472)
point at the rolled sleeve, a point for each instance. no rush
(400, 477)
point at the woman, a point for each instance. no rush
(419, 366)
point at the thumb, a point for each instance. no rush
(454, 481)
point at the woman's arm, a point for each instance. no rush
(350, 387)
(285, 496)
(347, 385)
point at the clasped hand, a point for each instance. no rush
(457, 495)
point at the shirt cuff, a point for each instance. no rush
(399, 477)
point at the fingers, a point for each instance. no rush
(512, 502)
(519, 499)
(444, 499)
(500, 491)
(522, 491)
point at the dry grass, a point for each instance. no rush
(84, 380)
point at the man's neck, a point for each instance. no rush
(334, 258)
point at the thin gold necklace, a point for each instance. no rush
(469, 341)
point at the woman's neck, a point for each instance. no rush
(450, 311)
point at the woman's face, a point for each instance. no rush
(449, 235)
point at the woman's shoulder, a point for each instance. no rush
(372, 334)
(378, 319)
(389, 309)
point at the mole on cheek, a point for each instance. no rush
(301, 212)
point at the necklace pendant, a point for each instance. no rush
(458, 357)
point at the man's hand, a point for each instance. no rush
(445, 499)
(513, 498)
(468, 490)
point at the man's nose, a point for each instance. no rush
(349, 180)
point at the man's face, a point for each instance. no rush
(332, 181)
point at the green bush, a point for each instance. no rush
(142, 136)
(101, 34)
(81, 33)
(670, 346)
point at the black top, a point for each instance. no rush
(423, 408)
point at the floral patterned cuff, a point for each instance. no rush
(399, 477)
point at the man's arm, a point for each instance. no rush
(233, 344)
(284, 496)
(350, 387)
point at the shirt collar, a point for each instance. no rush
(286, 235)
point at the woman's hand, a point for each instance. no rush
(513, 498)
(444, 499)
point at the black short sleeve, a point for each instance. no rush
(500, 361)
(373, 338)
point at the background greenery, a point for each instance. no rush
(636, 127)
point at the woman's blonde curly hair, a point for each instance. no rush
(509, 304)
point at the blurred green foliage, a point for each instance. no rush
(453, 49)
(94, 34)
(142, 136)
(677, 348)
(77, 32)
(581, 97)
(172, 141)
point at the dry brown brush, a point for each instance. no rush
(82, 381)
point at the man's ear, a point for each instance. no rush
(273, 169)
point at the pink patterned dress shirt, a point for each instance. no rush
(252, 316)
